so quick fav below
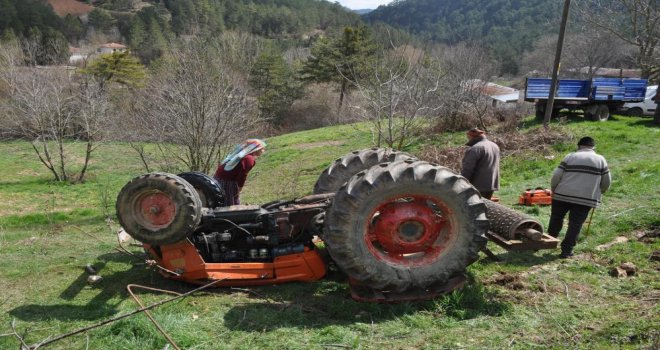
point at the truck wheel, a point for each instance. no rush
(208, 189)
(405, 224)
(635, 111)
(345, 167)
(601, 114)
(158, 208)
(555, 113)
(540, 112)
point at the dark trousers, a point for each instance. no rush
(231, 191)
(577, 214)
(487, 194)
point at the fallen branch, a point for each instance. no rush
(18, 336)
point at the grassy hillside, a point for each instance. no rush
(49, 231)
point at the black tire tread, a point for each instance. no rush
(350, 164)
(344, 237)
(214, 195)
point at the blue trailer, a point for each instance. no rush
(595, 97)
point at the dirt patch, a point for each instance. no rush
(507, 280)
(70, 7)
(319, 144)
(647, 236)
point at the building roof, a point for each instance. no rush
(512, 97)
(112, 46)
(613, 72)
(494, 91)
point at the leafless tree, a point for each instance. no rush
(40, 102)
(591, 49)
(539, 61)
(462, 90)
(586, 51)
(636, 22)
(48, 107)
(93, 116)
(397, 94)
(193, 107)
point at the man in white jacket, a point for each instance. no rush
(577, 185)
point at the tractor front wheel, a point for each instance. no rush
(158, 208)
(405, 224)
(209, 190)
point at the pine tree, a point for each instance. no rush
(337, 59)
(119, 67)
(277, 86)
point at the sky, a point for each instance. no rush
(362, 4)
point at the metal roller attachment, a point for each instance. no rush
(511, 224)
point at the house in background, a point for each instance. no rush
(77, 56)
(110, 48)
(501, 96)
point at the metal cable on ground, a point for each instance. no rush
(110, 320)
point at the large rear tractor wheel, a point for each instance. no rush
(406, 224)
(158, 208)
(345, 167)
(209, 190)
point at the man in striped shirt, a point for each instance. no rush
(577, 185)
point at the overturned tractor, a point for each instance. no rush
(400, 228)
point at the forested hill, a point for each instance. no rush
(507, 27)
(146, 26)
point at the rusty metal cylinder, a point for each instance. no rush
(511, 224)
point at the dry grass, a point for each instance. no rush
(510, 142)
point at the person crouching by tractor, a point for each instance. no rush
(481, 163)
(233, 170)
(577, 185)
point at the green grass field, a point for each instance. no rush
(50, 231)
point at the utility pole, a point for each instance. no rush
(555, 68)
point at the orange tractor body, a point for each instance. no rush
(184, 263)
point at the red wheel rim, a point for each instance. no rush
(410, 230)
(155, 210)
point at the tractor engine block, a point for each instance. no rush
(257, 234)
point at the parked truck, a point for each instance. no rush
(596, 97)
